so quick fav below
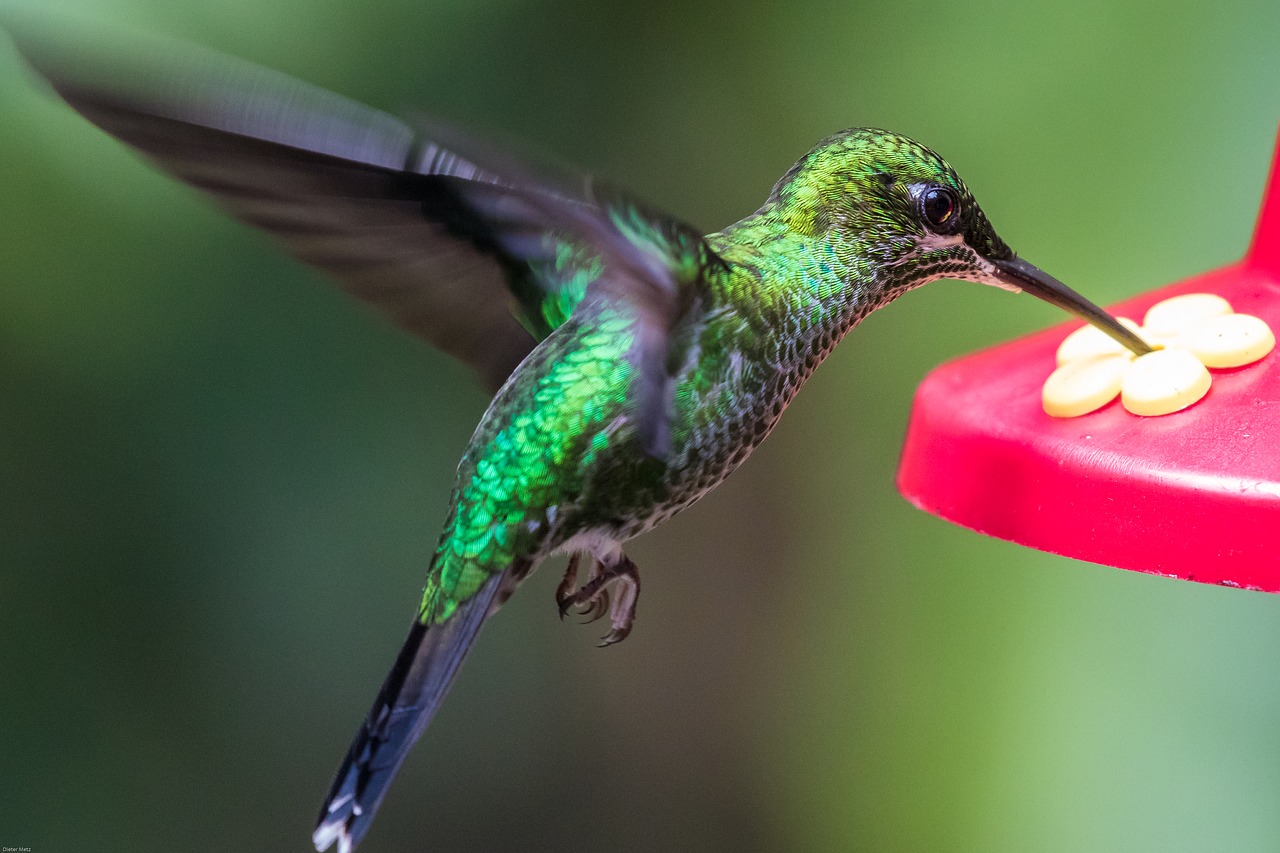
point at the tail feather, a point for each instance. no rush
(408, 700)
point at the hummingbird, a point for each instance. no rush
(635, 360)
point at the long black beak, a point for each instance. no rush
(1038, 283)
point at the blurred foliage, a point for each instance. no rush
(222, 479)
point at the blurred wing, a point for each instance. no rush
(653, 267)
(480, 260)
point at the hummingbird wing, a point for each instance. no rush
(468, 257)
(650, 267)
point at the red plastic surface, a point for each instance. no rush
(1192, 495)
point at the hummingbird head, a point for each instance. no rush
(882, 199)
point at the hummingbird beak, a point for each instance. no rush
(1020, 275)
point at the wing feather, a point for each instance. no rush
(469, 257)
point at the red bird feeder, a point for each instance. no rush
(1192, 495)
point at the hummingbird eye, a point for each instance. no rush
(940, 209)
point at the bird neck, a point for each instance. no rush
(797, 273)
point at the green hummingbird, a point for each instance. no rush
(636, 361)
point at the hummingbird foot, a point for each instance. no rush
(568, 585)
(623, 612)
(591, 610)
(597, 608)
(594, 599)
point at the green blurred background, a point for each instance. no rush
(220, 478)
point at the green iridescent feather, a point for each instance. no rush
(636, 362)
(554, 456)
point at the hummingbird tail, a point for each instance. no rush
(414, 689)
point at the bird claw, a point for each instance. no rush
(593, 599)
(568, 585)
(595, 608)
(617, 635)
